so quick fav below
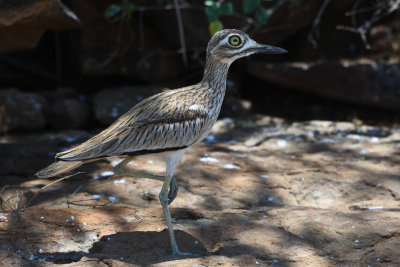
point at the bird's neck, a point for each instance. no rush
(215, 73)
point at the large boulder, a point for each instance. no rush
(66, 109)
(22, 23)
(21, 111)
(147, 47)
(360, 81)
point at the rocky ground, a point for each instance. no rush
(259, 191)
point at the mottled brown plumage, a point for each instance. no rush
(168, 123)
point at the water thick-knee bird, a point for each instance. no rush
(168, 123)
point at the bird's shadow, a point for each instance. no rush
(141, 248)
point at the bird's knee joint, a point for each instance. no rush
(163, 197)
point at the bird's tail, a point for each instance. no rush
(58, 168)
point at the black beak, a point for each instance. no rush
(269, 49)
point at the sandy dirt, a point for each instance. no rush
(260, 191)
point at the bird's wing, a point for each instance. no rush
(167, 121)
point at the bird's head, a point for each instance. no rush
(228, 45)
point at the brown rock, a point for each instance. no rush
(22, 23)
(362, 81)
(21, 111)
(149, 48)
(67, 109)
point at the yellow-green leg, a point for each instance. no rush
(164, 203)
(120, 169)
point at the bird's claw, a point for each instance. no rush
(173, 190)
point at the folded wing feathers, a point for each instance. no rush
(58, 168)
(156, 123)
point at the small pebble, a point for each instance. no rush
(41, 217)
(108, 238)
(264, 176)
(357, 241)
(40, 250)
(196, 242)
(84, 223)
(72, 217)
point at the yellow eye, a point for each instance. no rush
(235, 40)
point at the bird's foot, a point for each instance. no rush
(178, 253)
(173, 190)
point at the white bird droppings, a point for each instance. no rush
(281, 143)
(376, 208)
(230, 166)
(40, 250)
(264, 176)
(112, 198)
(211, 139)
(120, 181)
(115, 162)
(107, 174)
(72, 218)
(208, 159)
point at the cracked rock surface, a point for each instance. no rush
(258, 191)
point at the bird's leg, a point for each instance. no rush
(164, 203)
(121, 170)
